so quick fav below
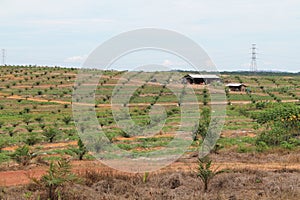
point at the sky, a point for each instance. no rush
(65, 32)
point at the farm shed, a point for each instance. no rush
(236, 87)
(200, 78)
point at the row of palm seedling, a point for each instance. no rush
(266, 91)
(249, 93)
(155, 120)
(238, 78)
(227, 93)
(145, 81)
(32, 136)
(287, 90)
(276, 98)
(205, 94)
(123, 86)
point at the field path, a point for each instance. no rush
(46, 145)
(22, 177)
(133, 104)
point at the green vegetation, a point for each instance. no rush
(57, 176)
(264, 116)
(203, 123)
(81, 150)
(205, 171)
(51, 133)
(23, 155)
(282, 125)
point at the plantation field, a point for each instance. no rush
(37, 128)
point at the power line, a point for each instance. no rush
(253, 66)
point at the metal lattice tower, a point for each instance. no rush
(253, 66)
(3, 57)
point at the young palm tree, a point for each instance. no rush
(205, 172)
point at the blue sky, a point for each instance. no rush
(64, 32)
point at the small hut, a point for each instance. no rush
(239, 87)
(200, 79)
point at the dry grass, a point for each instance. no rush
(238, 184)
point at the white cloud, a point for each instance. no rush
(174, 63)
(167, 63)
(70, 21)
(245, 66)
(76, 59)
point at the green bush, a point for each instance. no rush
(10, 131)
(4, 157)
(67, 119)
(273, 137)
(81, 150)
(281, 125)
(1, 124)
(203, 123)
(32, 139)
(261, 105)
(287, 145)
(51, 133)
(39, 119)
(27, 119)
(261, 146)
(29, 128)
(3, 143)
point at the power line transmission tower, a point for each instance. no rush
(3, 56)
(253, 66)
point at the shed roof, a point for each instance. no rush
(235, 84)
(206, 76)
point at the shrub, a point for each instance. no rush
(282, 123)
(29, 128)
(3, 143)
(261, 105)
(42, 125)
(1, 124)
(81, 150)
(26, 110)
(67, 119)
(203, 123)
(15, 124)
(51, 133)
(10, 131)
(27, 120)
(261, 146)
(272, 137)
(32, 139)
(57, 176)
(287, 145)
(39, 119)
(70, 132)
(125, 134)
(23, 155)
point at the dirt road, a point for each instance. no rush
(21, 177)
